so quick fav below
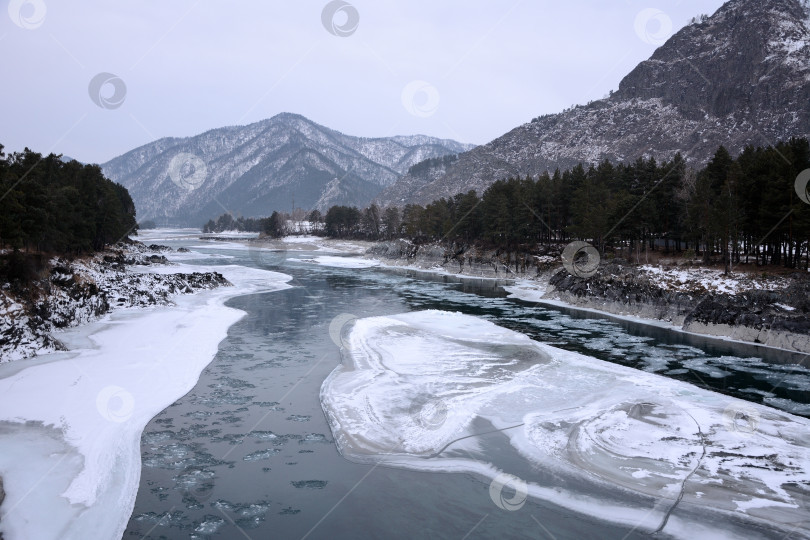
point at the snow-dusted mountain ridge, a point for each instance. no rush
(255, 169)
(739, 77)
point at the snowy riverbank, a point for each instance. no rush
(419, 390)
(755, 308)
(78, 291)
(761, 309)
(70, 422)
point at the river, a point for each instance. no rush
(248, 452)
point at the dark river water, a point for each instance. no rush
(248, 453)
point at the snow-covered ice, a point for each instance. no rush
(611, 442)
(70, 422)
(231, 234)
(302, 239)
(527, 290)
(344, 262)
(324, 245)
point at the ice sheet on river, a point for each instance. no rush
(611, 442)
(71, 422)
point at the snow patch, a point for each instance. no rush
(344, 262)
(707, 279)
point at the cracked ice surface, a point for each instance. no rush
(611, 442)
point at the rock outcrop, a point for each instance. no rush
(777, 318)
(459, 259)
(75, 292)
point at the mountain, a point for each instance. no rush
(739, 77)
(255, 169)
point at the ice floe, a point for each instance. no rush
(344, 262)
(415, 390)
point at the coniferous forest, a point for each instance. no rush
(742, 209)
(271, 226)
(48, 205)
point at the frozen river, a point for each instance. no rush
(248, 453)
(326, 397)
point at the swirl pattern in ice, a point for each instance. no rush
(419, 390)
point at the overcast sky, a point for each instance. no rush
(466, 70)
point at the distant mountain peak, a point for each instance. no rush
(255, 169)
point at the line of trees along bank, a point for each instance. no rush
(275, 226)
(47, 205)
(743, 209)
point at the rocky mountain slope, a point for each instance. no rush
(739, 77)
(255, 169)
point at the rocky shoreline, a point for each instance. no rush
(467, 261)
(768, 311)
(74, 292)
(776, 318)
